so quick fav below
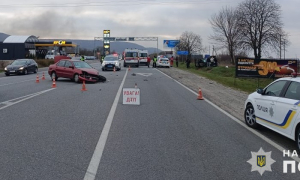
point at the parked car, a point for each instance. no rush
(74, 69)
(50, 54)
(110, 62)
(21, 66)
(163, 62)
(276, 107)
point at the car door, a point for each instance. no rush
(288, 109)
(60, 68)
(68, 72)
(28, 65)
(265, 103)
(32, 65)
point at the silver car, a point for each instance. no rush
(110, 62)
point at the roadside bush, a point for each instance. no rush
(44, 62)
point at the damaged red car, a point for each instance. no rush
(74, 69)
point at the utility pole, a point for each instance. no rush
(280, 46)
(284, 49)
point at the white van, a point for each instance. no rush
(131, 57)
(143, 54)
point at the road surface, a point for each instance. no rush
(59, 133)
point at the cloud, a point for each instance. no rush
(168, 19)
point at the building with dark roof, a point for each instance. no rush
(15, 47)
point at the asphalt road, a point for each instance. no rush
(51, 133)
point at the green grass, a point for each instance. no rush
(226, 76)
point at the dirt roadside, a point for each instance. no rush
(228, 99)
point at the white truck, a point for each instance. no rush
(131, 57)
(143, 54)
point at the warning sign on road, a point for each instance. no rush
(131, 96)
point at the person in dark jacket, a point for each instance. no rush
(176, 59)
(188, 61)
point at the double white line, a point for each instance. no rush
(11, 102)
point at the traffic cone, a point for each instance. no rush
(83, 86)
(200, 97)
(53, 84)
(43, 78)
(128, 68)
(114, 69)
(37, 79)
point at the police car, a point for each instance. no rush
(276, 107)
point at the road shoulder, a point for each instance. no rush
(228, 99)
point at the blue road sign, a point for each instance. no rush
(182, 52)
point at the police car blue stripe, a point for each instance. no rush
(283, 123)
(297, 103)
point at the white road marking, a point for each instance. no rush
(144, 74)
(17, 82)
(23, 98)
(96, 158)
(240, 122)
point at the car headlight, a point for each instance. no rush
(21, 68)
(5, 68)
(117, 63)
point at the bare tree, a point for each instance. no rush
(260, 24)
(190, 42)
(226, 32)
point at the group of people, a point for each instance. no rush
(155, 60)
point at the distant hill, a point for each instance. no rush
(115, 46)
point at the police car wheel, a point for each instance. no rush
(297, 139)
(249, 115)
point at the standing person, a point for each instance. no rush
(176, 59)
(208, 62)
(82, 58)
(154, 61)
(148, 61)
(171, 59)
(188, 63)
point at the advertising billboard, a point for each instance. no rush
(265, 68)
(170, 43)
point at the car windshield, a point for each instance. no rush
(131, 54)
(164, 59)
(143, 55)
(81, 64)
(19, 62)
(111, 58)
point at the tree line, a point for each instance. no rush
(254, 27)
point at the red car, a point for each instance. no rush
(74, 69)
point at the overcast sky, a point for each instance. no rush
(166, 19)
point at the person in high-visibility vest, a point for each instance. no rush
(102, 58)
(154, 61)
(82, 58)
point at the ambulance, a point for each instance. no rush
(143, 54)
(131, 57)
